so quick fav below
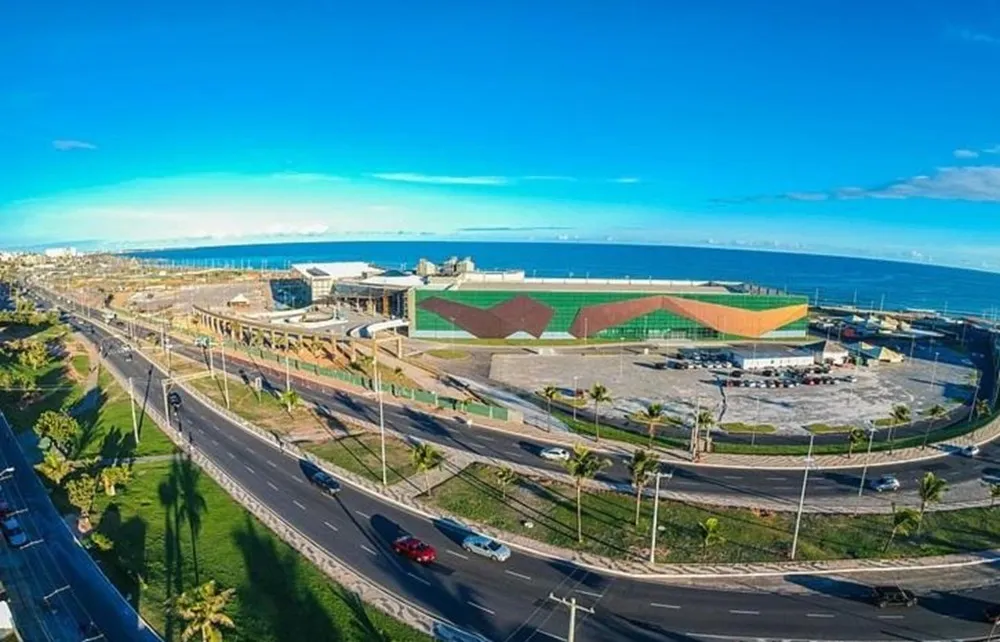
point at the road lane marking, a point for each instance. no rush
(481, 608)
(664, 606)
(215, 441)
(484, 438)
(590, 593)
(271, 464)
(250, 469)
(516, 574)
(419, 579)
(732, 477)
(231, 455)
(890, 617)
(369, 550)
(784, 488)
(739, 612)
(297, 503)
(365, 515)
(331, 526)
(819, 614)
(297, 479)
(775, 478)
(464, 557)
(273, 487)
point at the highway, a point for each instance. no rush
(831, 486)
(508, 602)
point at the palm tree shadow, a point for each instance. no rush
(192, 503)
(361, 621)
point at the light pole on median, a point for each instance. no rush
(802, 497)
(868, 455)
(575, 399)
(656, 514)
(381, 413)
(225, 375)
(135, 423)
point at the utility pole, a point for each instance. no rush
(211, 360)
(225, 376)
(135, 423)
(381, 414)
(575, 388)
(656, 514)
(288, 376)
(864, 471)
(694, 431)
(573, 607)
(802, 497)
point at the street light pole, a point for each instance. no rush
(575, 388)
(802, 497)
(864, 471)
(573, 607)
(656, 514)
(225, 376)
(288, 376)
(381, 416)
(135, 423)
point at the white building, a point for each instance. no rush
(829, 352)
(320, 278)
(771, 357)
(60, 252)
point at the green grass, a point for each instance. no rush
(613, 433)
(531, 342)
(638, 418)
(81, 364)
(361, 454)
(56, 390)
(885, 422)
(740, 427)
(447, 354)
(157, 554)
(266, 411)
(750, 537)
(821, 429)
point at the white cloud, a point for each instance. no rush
(978, 37)
(409, 177)
(978, 184)
(995, 149)
(65, 145)
(626, 180)
(965, 153)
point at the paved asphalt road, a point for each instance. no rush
(832, 486)
(507, 602)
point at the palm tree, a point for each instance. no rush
(583, 464)
(930, 490)
(710, 534)
(598, 394)
(290, 398)
(904, 521)
(202, 610)
(642, 467)
(550, 393)
(505, 477)
(55, 466)
(114, 476)
(900, 414)
(936, 411)
(426, 458)
(855, 437)
(652, 415)
(706, 420)
(982, 407)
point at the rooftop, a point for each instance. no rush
(336, 270)
(657, 286)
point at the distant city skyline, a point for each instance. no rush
(685, 125)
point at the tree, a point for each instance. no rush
(904, 521)
(706, 420)
(598, 394)
(994, 494)
(982, 407)
(855, 437)
(652, 416)
(290, 399)
(931, 489)
(643, 466)
(80, 492)
(936, 411)
(426, 458)
(550, 393)
(900, 414)
(34, 355)
(55, 467)
(202, 611)
(58, 427)
(112, 476)
(101, 542)
(711, 534)
(505, 477)
(583, 464)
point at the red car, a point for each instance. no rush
(412, 548)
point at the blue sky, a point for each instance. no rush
(826, 126)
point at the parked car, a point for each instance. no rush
(554, 454)
(325, 482)
(971, 450)
(884, 596)
(486, 547)
(413, 549)
(884, 483)
(12, 530)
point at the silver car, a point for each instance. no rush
(486, 547)
(884, 483)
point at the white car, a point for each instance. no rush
(486, 547)
(554, 454)
(971, 450)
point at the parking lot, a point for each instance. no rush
(636, 380)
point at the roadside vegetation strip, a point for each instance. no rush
(822, 429)
(614, 433)
(748, 536)
(740, 427)
(360, 454)
(447, 354)
(81, 364)
(173, 528)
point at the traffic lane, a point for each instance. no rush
(216, 425)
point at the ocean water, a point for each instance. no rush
(868, 283)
